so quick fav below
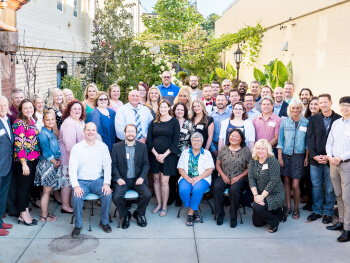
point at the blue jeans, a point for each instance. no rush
(185, 189)
(321, 174)
(94, 187)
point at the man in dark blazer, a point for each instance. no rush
(281, 107)
(129, 171)
(317, 134)
(6, 160)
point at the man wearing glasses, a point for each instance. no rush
(168, 90)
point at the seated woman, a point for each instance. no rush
(195, 167)
(46, 174)
(266, 185)
(232, 164)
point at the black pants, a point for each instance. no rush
(214, 175)
(262, 216)
(174, 187)
(4, 187)
(306, 185)
(120, 190)
(234, 196)
(24, 184)
(11, 204)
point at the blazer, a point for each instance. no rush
(6, 149)
(120, 166)
(283, 111)
(316, 137)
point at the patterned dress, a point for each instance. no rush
(186, 132)
(58, 114)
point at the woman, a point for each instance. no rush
(292, 152)
(312, 108)
(266, 186)
(195, 167)
(49, 161)
(26, 153)
(89, 96)
(162, 141)
(186, 131)
(104, 118)
(203, 123)
(39, 105)
(232, 164)
(72, 132)
(56, 103)
(238, 120)
(153, 99)
(68, 95)
(143, 89)
(184, 96)
(114, 95)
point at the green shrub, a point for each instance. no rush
(74, 84)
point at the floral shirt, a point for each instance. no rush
(193, 163)
(26, 146)
(186, 132)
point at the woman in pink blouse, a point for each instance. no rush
(26, 153)
(72, 132)
(114, 94)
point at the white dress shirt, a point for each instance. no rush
(89, 163)
(338, 142)
(4, 121)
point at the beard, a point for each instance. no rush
(194, 86)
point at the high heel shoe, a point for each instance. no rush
(25, 223)
(65, 211)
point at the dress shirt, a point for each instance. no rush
(277, 109)
(338, 142)
(4, 121)
(130, 158)
(257, 106)
(253, 113)
(89, 163)
(194, 94)
(327, 123)
(126, 115)
(266, 129)
(218, 118)
(209, 105)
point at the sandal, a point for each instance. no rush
(196, 217)
(296, 214)
(50, 217)
(164, 212)
(289, 211)
(155, 210)
(189, 221)
(273, 230)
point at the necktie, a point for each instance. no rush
(138, 124)
(208, 103)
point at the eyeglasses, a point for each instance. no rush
(103, 99)
(166, 77)
(345, 105)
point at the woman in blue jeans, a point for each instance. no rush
(195, 167)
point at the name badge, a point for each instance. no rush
(59, 114)
(347, 133)
(184, 131)
(272, 124)
(265, 166)
(200, 127)
(170, 93)
(2, 132)
(303, 129)
(128, 156)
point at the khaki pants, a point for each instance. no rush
(340, 176)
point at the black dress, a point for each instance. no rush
(202, 128)
(163, 136)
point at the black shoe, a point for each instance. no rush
(178, 203)
(327, 219)
(141, 220)
(307, 207)
(126, 221)
(65, 211)
(170, 202)
(106, 228)
(76, 232)
(233, 222)
(25, 223)
(344, 237)
(338, 226)
(220, 219)
(313, 217)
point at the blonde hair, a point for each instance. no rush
(52, 96)
(110, 88)
(148, 101)
(87, 88)
(295, 102)
(205, 114)
(186, 91)
(264, 143)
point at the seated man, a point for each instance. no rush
(90, 172)
(129, 169)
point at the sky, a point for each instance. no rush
(205, 7)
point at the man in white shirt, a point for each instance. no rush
(233, 98)
(208, 101)
(90, 172)
(196, 93)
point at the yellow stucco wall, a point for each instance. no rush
(318, 44)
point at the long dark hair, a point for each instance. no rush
(157, 119)
(242, 144)
(66, 111)
(244, 116)
(185, 109)
(20, 113)
(307, 111)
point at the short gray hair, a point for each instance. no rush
(227, 80)
(14, 91)
(197, 135)
(268, 98)
(3, 97)
(295, 102)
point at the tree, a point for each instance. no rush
(208, 24)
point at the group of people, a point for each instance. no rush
(177, 143)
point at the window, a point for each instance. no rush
(59, 5)
(75, 12)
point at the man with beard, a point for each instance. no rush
(265, 91)
(255, 90)
(249, 105)
(209, 103)
(168, 90)
(196, 93)
(215, 85)
(242, 90)
(280, 108)
(305, 96)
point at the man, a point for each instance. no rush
(338, 152)
(305, 96)
(196, 93)
(6, 157)
(265, 91)
(226, 87)
(90, 172)
(215, 85)
(249, 105)
(317, 134)
(242, 90)
(288, 91)
(129, 170)
(267, 124)
(17, 96)
(255, 89)
(233, 98)
(133, 113)
(168, 90)
(209, 103)
(281, 107)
